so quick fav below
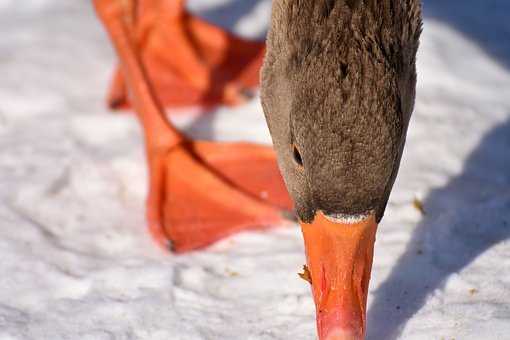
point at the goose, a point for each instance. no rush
(338, 87)
(338, 90)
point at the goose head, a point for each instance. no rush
(338, 89)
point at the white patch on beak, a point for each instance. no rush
(346, 218)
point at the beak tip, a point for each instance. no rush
(341, 334)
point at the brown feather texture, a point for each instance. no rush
(338, 89)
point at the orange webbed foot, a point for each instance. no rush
(199, 192)
(190, 62)
(205, 191)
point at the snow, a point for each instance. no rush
(77, 263)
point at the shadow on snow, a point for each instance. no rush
(464, 218)
(483, 22)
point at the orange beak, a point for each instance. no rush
(339, 257)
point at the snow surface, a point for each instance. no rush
(77, 263)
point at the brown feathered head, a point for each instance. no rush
(338, 88)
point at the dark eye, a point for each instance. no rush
(296, 155)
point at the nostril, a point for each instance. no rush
(297, 155)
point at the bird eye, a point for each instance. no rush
(297, 155)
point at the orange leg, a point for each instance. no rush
(199, 192)
(189, 61)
